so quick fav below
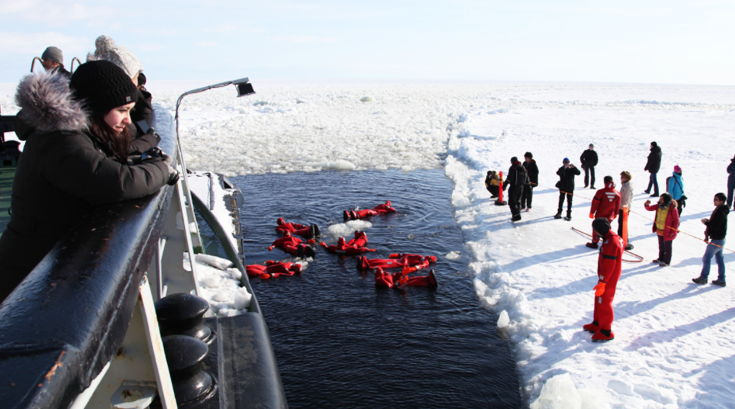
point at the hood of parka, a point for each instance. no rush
(47, 104)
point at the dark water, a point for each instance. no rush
(342, 343)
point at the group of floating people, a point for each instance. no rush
(296, 247)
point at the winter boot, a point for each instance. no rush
(317, 232)
(516, 218)
(629, 246)
(569, 216)
(603, 335)
(699, 280)
(558, 215)
(593, 327)
(354, 215)
(721, 283)
(309, 251)
(346, 215)
(592, 245)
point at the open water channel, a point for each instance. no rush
(340, 342)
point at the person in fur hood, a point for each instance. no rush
(665, 225)
(75, 158)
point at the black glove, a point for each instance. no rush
(154, 154)
(173, 176)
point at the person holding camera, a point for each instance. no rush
(75, 158)
(566, 187)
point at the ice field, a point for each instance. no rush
(674, 340)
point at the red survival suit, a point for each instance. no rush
(361, 214)
(401, 279)
(606, 203)
(609, 266)
(292, 246)
(297, 229)
(416, 261)
(354, 246)
(273, 269)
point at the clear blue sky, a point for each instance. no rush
(684, 42)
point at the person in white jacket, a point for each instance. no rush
(626, 201)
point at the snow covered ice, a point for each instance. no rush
(674, 341)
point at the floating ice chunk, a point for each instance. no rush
(346, 229)
(221, 296)
(214, 261)
(242, 298)
(211, 281)
(234, 273)
(453, 255)
(366, 99)
(503, 320)
(559, 392)
(340, 165)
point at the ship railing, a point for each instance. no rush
(81, 330)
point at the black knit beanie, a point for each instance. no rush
(103, 86)
(601, 225)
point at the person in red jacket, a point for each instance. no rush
(606, 203)
(665, 225)
(415, 261)
(401, 279)
(354, 246)
(292, 246)
(272, 269)
(609, 266)
(297, 229)
(361, 214)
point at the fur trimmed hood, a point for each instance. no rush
(47, 104)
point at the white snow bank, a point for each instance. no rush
(674, 341)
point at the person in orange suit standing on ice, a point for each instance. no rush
(606, 203)
(609, 267)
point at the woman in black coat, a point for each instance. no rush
(75, 158)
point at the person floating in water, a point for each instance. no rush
(292, 245)
(415, 261)
(308, 232)
(354, 246)
(401, 279)
(361, 214)
(272, 269)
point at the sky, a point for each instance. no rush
(673, 42)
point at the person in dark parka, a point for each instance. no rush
(588, 160)
(730, 181)
(516, 181)
(74, 159)
(532, 171)
(566, 187)
(653, 165)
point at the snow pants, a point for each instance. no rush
(589, 171)
(527, 197)
(514, 199)
(494, 190)
(664, 249)
(569, 197)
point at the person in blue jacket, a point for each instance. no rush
(675, 187)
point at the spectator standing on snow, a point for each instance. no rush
(665, 225)
(730, 181)
(626, 202)
(606, 203)
(715, 234)
(516, 181)
(609, 267)
(653, 165)
(492, 183)
(566, 187)
(52, 60)
(588, 160)
(675, 187)
(532, 171)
